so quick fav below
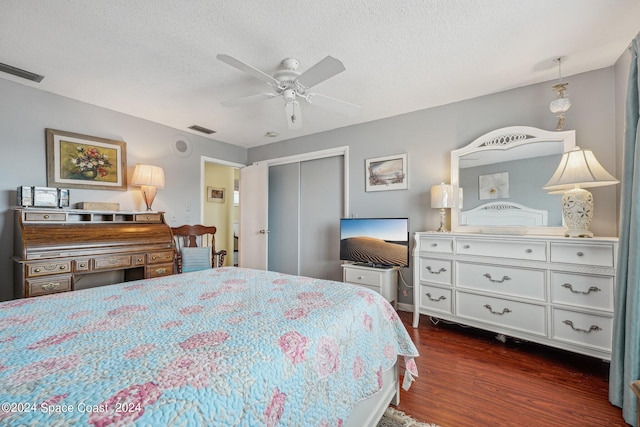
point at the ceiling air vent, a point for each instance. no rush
(21, 73)
(201, 129)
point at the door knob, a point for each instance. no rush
(263, 231)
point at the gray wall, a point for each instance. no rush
(25, 112)
(428, 136)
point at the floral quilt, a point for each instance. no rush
(218, 347)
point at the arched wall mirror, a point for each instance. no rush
(501, 175)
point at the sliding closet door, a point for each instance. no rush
(305, 204)
(321, 206)
(284, 199)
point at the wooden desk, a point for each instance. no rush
(53, 247)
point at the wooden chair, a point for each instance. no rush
(197, 236)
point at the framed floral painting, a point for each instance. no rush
(82, 161)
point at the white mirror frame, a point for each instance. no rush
(502, 139)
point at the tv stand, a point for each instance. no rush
(381, 279)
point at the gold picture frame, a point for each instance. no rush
(82, 161)
(215, 194)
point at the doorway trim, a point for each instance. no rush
(203, 161)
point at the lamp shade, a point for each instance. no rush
(579, 169)
(149, 175)
(442, 196)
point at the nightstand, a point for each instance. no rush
(383, 280)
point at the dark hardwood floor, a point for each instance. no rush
(469, 378)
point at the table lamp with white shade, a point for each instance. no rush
(442, 197)
(149, 178)
(578, 169)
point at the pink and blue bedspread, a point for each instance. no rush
(219, 347)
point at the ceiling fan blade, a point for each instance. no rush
(253, 72)
(320, 72)
(294, 116)
(248, 99)
(337, 105)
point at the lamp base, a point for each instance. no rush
(443, 222)
(577, 210)
(148, 194)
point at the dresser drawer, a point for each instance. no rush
(158, 270)
(529, 318)
(368, 278)
(139, 259)
(583, 329)
(518, 282)
(437, 299)
(158, 257)
(435, 270)
(518, 249)
(582, 290)
(47, 268)
(580, 253)
(109, 262)
(48, 285)
(82, 265)
(45, 216)
(436, 244)
(147, 217)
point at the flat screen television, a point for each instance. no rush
(375, 242)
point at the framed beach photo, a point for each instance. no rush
(215, 194)
(83, 161)
(386, 173)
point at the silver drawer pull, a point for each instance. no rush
(161, 270)
(580, 254)
(591, 328)
(50, 286)
(587, 292)
(433, 245)
(440, 298)
(466, 246)
(504, 278)
(529, 251)
(360, 278)
(442, 270)
(504, 310)
(113, 261)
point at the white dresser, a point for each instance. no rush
(382, 280)
(547, 289)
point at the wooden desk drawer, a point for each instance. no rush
(583, 329)
(529, 318)
(582, 290)
(433, 298)
(158, 270)
(48, 268)
(586, 254)
(436, 244)
(48, 285)
(82, 265)
(435, 270)
(518, 249)
(158, 257)
(148, 217)
(110, 262)
(518, 282)
(45, 216)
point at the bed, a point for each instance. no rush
(504, 213)
(218, 347)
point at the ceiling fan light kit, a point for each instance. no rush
(292, 85)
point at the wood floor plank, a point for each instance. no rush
(469, 378)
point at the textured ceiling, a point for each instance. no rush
(156, 59)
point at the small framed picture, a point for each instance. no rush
(386, 173)
(215, 194)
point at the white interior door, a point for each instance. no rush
(254, 193)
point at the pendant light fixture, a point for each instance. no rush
(561, 104)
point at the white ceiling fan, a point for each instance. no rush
(291, 85)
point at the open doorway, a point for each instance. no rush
(220, 204)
